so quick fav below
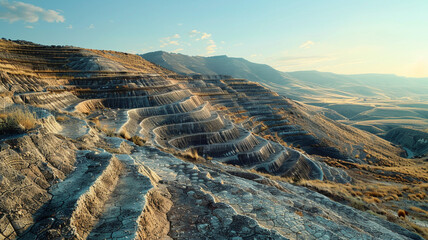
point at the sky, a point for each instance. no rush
(348, 37)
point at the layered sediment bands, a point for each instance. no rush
(182, 106)
(147, 101)
(199, 114)
(123, 91)
(29, 165)
(52, 101)
(154, 223)
(259, 154)
(20, 82)
(135, 116)
(90, 205)
(78, 200)
(143, 81)
(213, 124)
(179, 120)
(263, 112)
(124, 209)
(51, 190)
(209, 138)
(50, 124)
(199, 129)
(89, 105)
(172, 112)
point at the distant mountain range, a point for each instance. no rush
(224, 65)
(302, 85)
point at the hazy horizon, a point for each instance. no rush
(352, 37)
(306, 70)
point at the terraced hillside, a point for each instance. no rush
(126, 149)
(377, 103)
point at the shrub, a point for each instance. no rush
(417, 196)
(97, 123)
(402, 213)
(6, 94)
(419, 210)
(137, 140)
(17, 120)
(371, 200)
(110, 132)
(125, 134)
(61, 118)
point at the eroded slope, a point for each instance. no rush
(238, 135)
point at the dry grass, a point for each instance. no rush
(6, 94)
(419, 210)
(417, 196)
(110, 132)
(97, 123)
(423, 231)
(239, 119)
(17, 120)
(137, 140)
(125, 134)
(371, 197)
(193, 153)
(371, 200)
(61, 118)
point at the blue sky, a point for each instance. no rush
(373, 36)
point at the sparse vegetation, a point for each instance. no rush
(110, 132)
(61, 118)
(137, 140)
(419, 210)
(402, 213)
(6, 94)
(124, 134)
(17, 120)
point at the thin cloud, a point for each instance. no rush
(307, 44)
(19, 11)
(29, 27)
(307, 62)
(205, 36)
(211, 48)
(178, 50)
(92, 26)
(69, 26)
(174, 43)
(169, 40)
(193, 33)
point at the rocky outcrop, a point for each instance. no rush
(226, 202)
(29, 165)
